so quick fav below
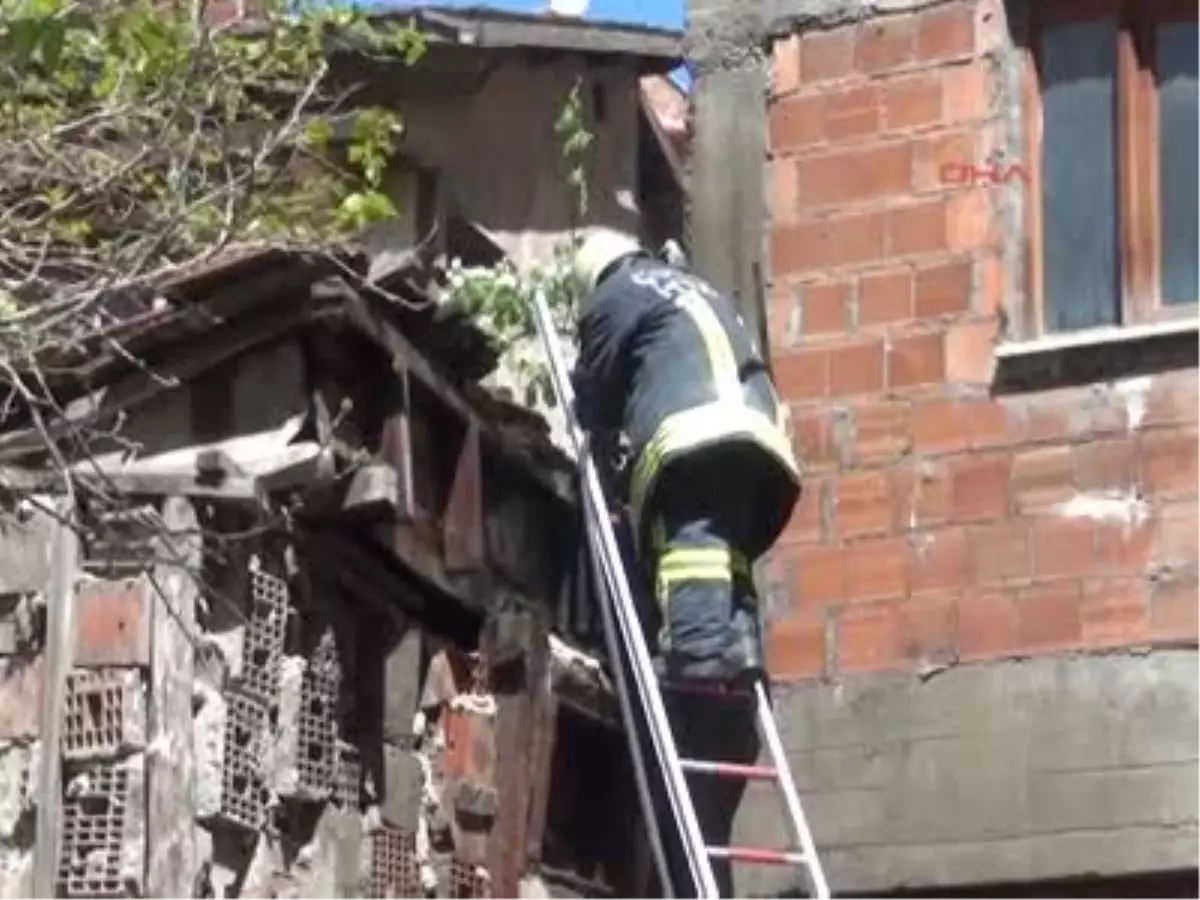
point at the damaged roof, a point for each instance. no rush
(256, 283)
(657, 49)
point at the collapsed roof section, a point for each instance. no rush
(274, 373)
(356, 508)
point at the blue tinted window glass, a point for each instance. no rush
(1079, 175)
(1178, 157)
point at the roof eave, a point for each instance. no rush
(654, 50)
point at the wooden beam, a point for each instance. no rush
(352, 565)
(407, 358)
(545, 728)
(579, 682)
(60, 594)
(414, 546)
(142, 386)
(105, 479)
(318, 469)
(117, 479)
(404, 355)
(462, 521)
(256, 281)
(520, 722)
(678, 172)
(375, 489)
(164, 484)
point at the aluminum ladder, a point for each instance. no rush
(622, 631)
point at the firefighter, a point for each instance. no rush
(666, 361)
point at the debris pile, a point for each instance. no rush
(236, 720)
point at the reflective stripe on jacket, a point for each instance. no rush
(665, 358)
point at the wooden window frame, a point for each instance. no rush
(1139, 243)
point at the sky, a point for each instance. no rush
(664, 13)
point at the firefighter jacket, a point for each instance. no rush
(666, 359)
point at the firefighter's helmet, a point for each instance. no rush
(599, 250)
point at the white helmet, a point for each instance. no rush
(599, 250)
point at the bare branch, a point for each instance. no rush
(138, 143)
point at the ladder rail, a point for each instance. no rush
(791, 798)
(605, 542)
(635, 746)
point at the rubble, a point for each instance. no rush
(566, 658)
(308, 763)
(580, 679)
(19, 769)
(532, 887)
(21, 622)
(16, 872)
(300, 785)
(20, 694)
(213, 732)
(221, 661)
(288, 750)
(455, 756)
(209, 747)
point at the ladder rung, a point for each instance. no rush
(759, 855)
(729, 770)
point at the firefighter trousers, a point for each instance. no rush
(700, 516)
(711, 627)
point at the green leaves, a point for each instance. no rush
(33, 31)
(363, 208)
(574, 142)
(318, 134)
(137, 136)
(371, 145)
(10, 307)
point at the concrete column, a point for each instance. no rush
(727, 217)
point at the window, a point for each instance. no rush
(1111, 98)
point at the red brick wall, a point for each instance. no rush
(940, 523)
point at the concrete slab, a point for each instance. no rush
(1014, 771)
